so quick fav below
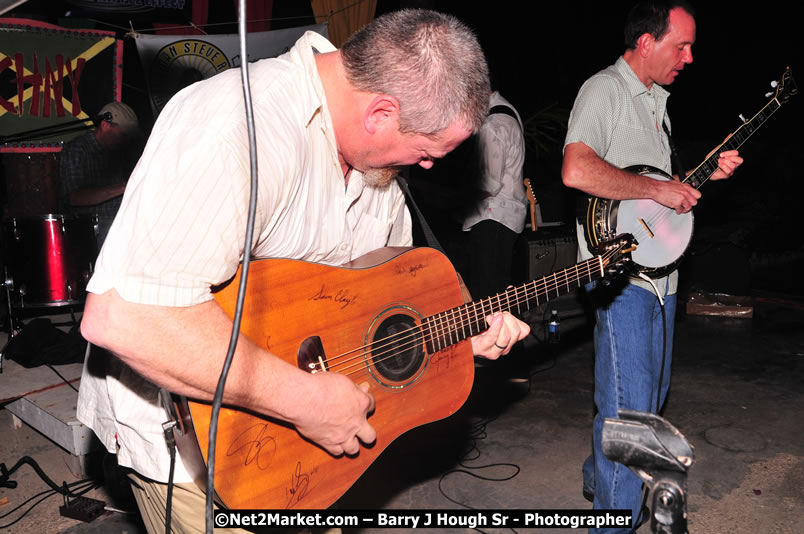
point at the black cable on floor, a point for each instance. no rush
(47, 493)
(88, 485)
(62, 377)
(5, 474)
(478, 433)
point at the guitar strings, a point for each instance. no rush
(733, 142)
(391, 346)
(411, 335)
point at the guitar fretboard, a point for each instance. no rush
(451, 326)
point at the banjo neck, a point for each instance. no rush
(784, 89)
(663, 235)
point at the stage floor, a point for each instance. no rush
(736, 395)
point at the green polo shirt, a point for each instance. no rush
(621, 120)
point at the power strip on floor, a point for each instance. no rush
(82, 509)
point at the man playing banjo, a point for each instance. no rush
(616, 122)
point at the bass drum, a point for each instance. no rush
(49, 259)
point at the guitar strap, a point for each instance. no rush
(677, 168)
(675, 160)
(432, 242)
(505, 110)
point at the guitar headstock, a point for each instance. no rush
(616, 253)
(529, 191)
(531, 203)
(785, 87)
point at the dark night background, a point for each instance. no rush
(540, 53)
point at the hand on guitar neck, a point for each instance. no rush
(504, 332)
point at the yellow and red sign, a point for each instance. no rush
(52, 81)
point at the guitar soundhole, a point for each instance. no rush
(397, 352)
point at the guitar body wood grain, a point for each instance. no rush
(265, 464)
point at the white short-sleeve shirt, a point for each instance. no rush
(182, 223)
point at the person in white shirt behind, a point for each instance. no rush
(498, 216)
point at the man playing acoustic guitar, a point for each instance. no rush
(333, 128)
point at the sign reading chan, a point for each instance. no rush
(50, 76)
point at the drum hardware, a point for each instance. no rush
(22, 291)
(14, 332)
(48, 261)
(77, 125)
(13, 326)
(14, 323)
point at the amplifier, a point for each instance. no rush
(546, 256)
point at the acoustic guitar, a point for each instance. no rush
(664, 235)
(394, 319)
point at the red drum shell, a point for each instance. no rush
(49, 258)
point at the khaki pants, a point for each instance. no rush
(187, 508)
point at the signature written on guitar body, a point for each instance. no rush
(343, 297)
(400, 326)
(411, 270)
(268, 464)
(255, 446)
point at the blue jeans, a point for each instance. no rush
(628, 360)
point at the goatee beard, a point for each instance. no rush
(380, 178)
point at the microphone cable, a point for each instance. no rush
(236, 320)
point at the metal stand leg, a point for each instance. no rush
(661, 456)
(14, 326)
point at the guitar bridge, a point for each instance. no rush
(647, 228)
(311, 356)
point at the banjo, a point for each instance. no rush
(662, 234)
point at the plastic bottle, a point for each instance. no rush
(553, 328)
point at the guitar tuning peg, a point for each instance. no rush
(774, 83)
(741, 117)
(768, 95)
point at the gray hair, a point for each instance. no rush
(430, 62)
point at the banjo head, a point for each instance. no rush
(662, 234)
